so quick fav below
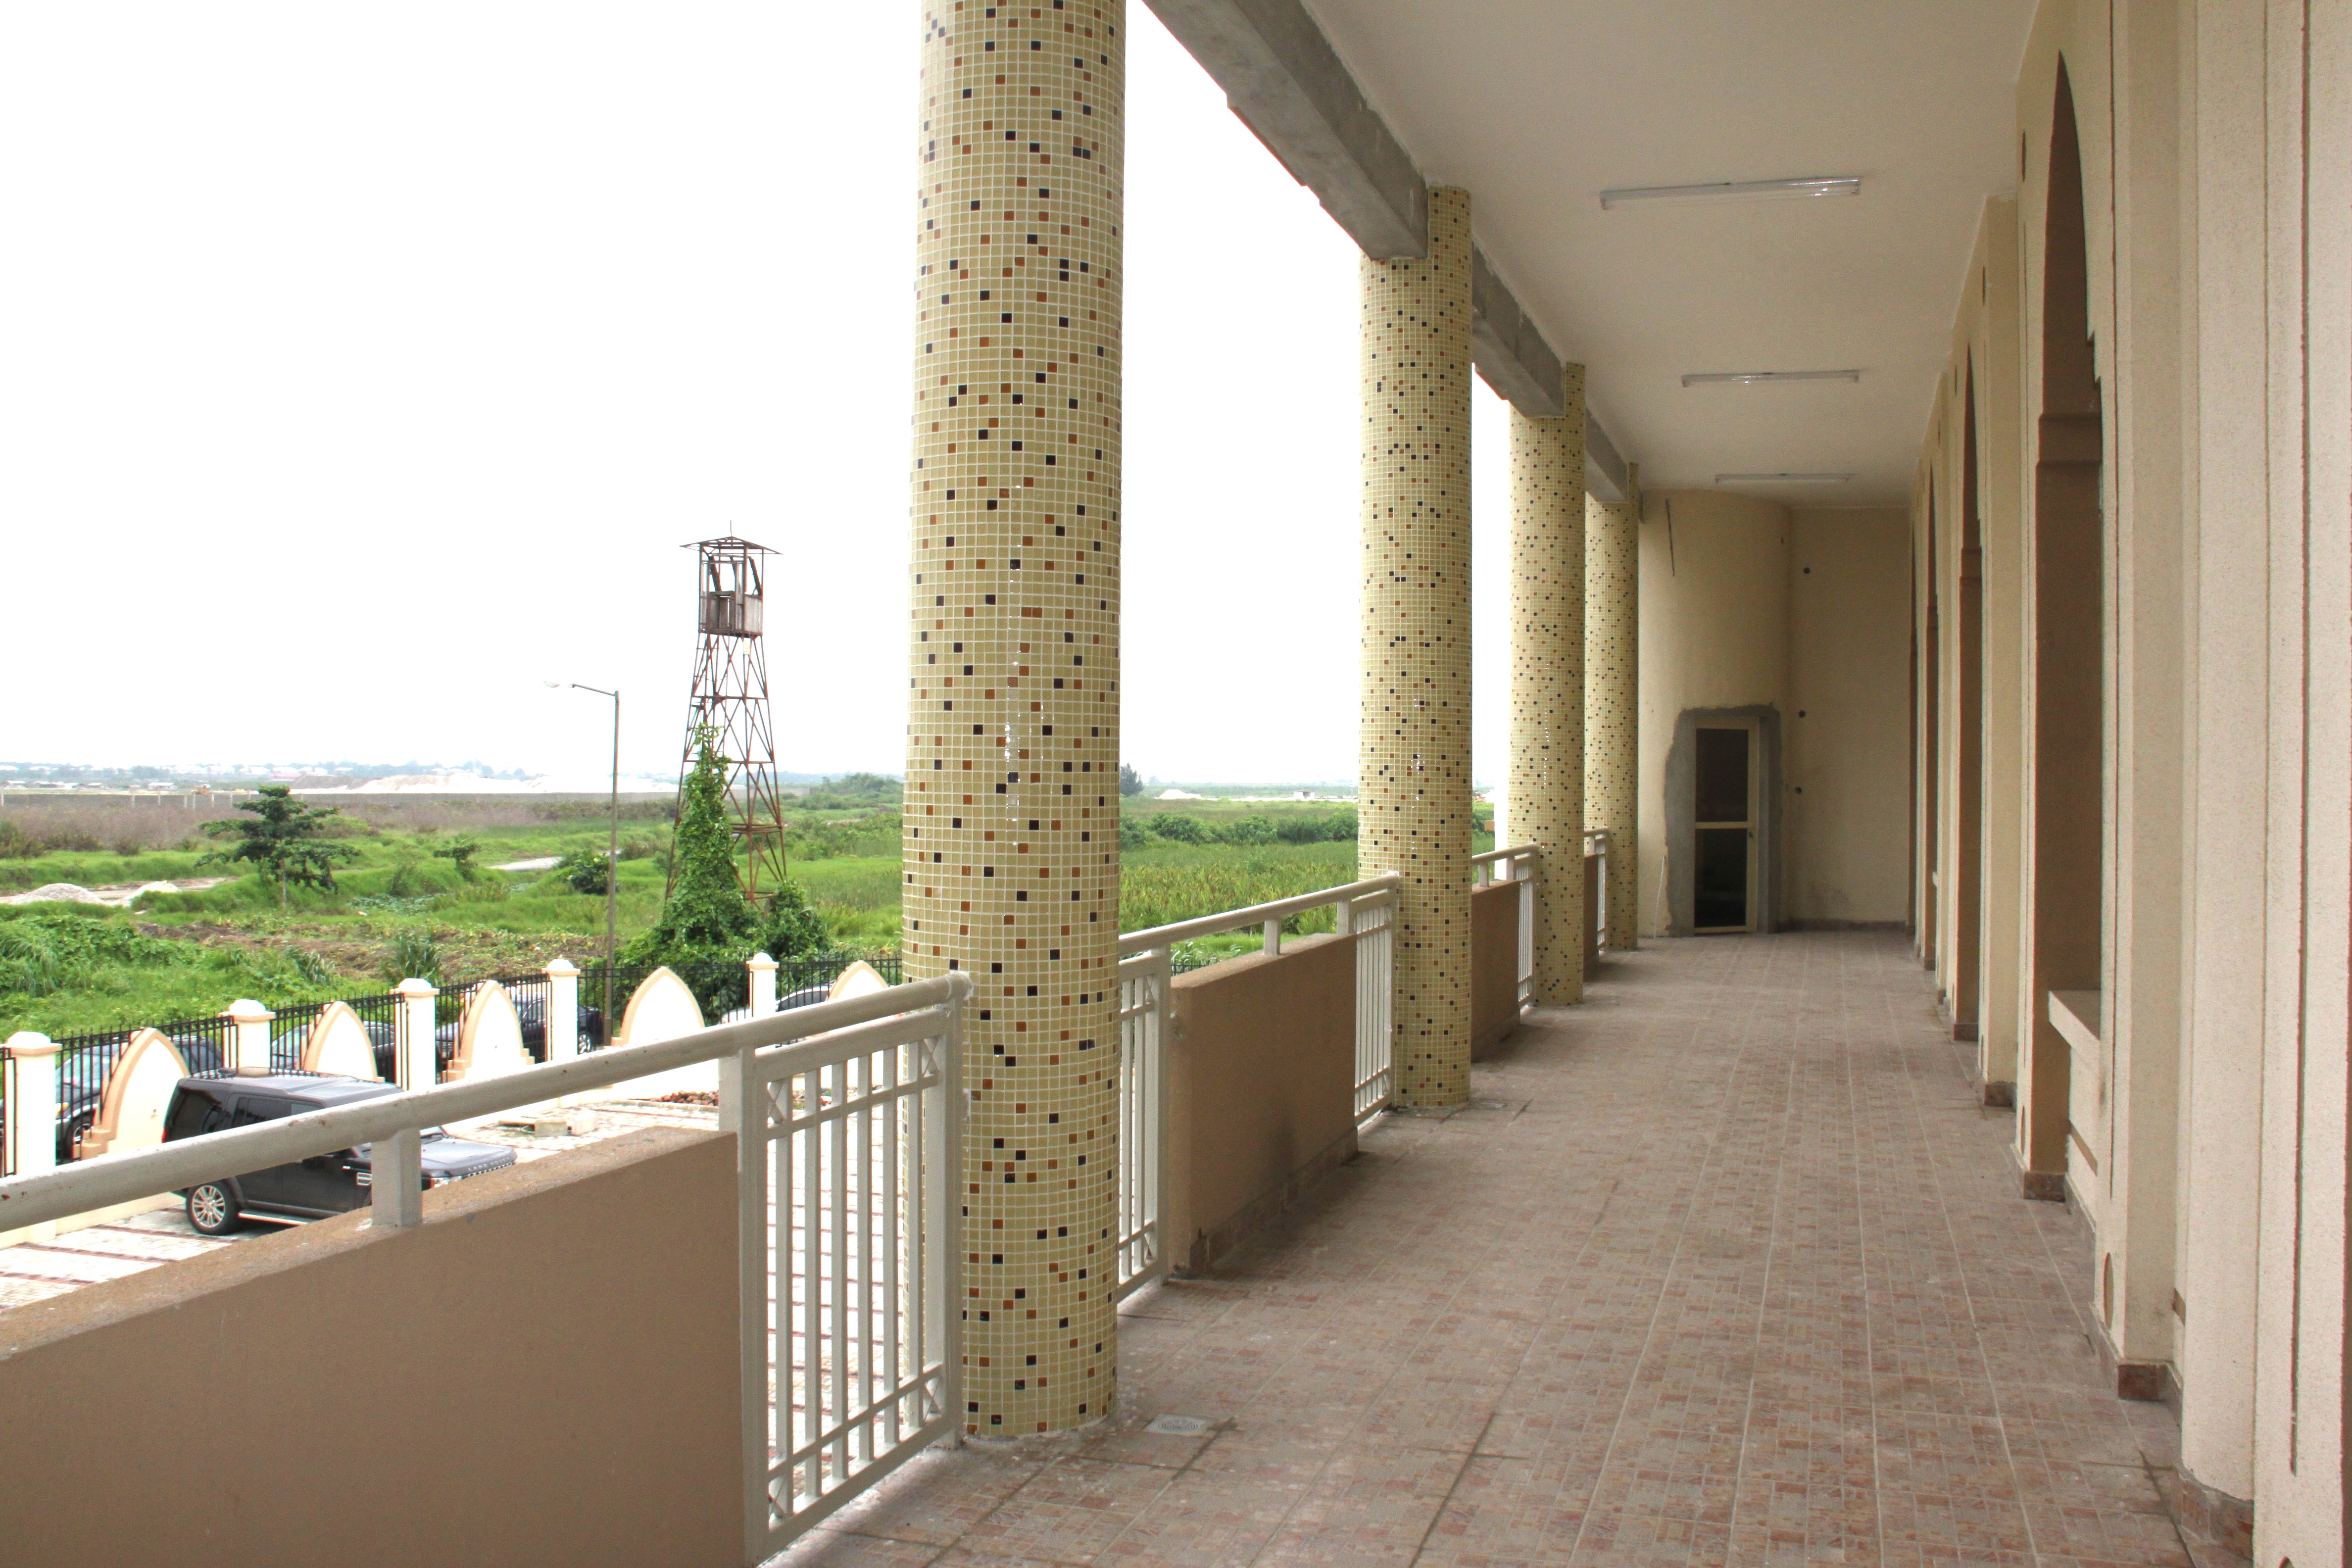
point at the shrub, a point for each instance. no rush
(586, 871)
(1246, 830)
(460, 852)
(706, 927)
(1179, 828)
(1318, 827)
(414, 955)
(1131, 834)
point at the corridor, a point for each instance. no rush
(1725, 1266)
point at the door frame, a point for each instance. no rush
(1754, 729)
(1765, 901)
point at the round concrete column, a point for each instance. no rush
(1011, 860)
(1612, 719)
(1546, 788)
(1413, 733)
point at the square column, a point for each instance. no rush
(1413, 732)
(1546, 788)
(1011, 847)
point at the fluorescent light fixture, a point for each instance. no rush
(1782, 479)
(1735, 190)
(1752, 377)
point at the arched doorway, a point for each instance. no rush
(2066, 848)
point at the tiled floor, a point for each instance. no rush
(1726, 1266)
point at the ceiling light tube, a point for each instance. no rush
(1751, 377)
(1782, 479)
(1735, 190)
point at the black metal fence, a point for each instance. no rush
(86, 1061)
(723, 987)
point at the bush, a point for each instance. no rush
(48, 951)
(586, 871)
(1179, 828)
(706, 927)
(1246, 830)
(414, 955)
(1131, 834)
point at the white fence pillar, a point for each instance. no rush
(31, 1063)
(248, 1047)
(761, 972)
(560, 1018)
(419, 1068)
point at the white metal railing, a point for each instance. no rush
(1596, 847)
(1361, 911)
(1517, 865)
(1144, 1005)
(849, 1215)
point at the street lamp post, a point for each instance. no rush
(612, 851)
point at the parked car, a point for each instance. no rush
(308, 1189)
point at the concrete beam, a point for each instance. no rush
(1509, 348)
(1605, 475)
(1283, 79)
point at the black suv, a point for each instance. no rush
(307, 1189)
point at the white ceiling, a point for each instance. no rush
(1536, 106)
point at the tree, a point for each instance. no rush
(288, 841)
(707, 927)
(1130, 780)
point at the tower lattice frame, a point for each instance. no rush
(731, 698)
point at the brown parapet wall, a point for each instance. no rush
(545, 1371)
(1493, 965)
(1261, 1091)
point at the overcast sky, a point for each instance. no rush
(361, 369)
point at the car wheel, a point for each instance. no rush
(212, 1209)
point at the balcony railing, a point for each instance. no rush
(850, 1122)
(850, 1119)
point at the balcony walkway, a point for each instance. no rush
(1726, 1267)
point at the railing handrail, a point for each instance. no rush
(1135, 942)
(88, 1185)
(1510, 852)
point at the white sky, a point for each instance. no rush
(361, 369)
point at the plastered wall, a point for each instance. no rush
(1847, 765)
(1715, 634)
(1747, 605)
(546, 1371)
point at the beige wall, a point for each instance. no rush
(1847, 766)
(545, 1371)
(1732, 618)
(1715, 634)
(2216, 189)
(1495, 964)
(1261, 1090)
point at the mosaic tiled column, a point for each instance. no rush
(1545, 789)
(1011, 823)
(1611, 718)
(1413, 734)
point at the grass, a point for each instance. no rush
(234, 941)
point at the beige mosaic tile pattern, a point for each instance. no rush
(1413, 733)
(1611, 715)
(1012, 835)
(1546, 788)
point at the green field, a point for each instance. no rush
(67, 968)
